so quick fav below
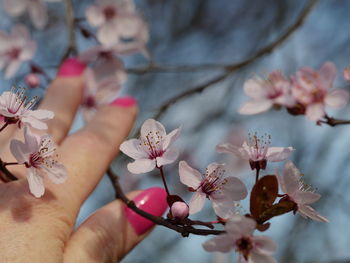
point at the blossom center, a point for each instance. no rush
(244, 245)
(14, 53)
(109, 12)
(258, 147)
(213, 181)
(152, 142)
(90, 102)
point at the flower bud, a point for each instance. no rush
(179, 210)
(32, 80)
(347, 74)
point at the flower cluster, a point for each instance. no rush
(37, 152)
(307, 92)
(154, 150)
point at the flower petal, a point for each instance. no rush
(36, 184)
(12, 68)
(327, 74)
(57, 173)
(38, 14)
(133, 149)
(168, 157)
(264, 245)
(223, 207)
(216, 168)
(221, 243)
(189, 176)
(234, 189)
(142, 166)
(233, 149)
(307, 198)
(153, 128)
(308, 211)
(337, 98)
(240, 225)
(255, 107)
(19, 151)
(15, 7)
(106, 34)
(261, 258)
(170, 138)
(278, 154)
(254, 88)
(290, 180)
(197, 202)
(94, 16)
(315, 111)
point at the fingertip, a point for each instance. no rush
(124, 102)
(71, 67)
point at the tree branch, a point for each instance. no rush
(184, 230)
(71, 24)
(229, 69)
(333, 122)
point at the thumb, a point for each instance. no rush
(111, 232)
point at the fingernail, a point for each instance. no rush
(153, 201)
(71, 67)
(124, 102)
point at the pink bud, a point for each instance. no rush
(32, 80)
(347, 74)
(179, 210)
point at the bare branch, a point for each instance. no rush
(71, 24)
(333, 122)
(184, 230)
(230, 69)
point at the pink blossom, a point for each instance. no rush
(299, 192)
(116, 20)
(17, 110)
(347, 74)
(100, 90)
(223, 192)
(38, 155)
(179, 210)
(15, 48)
(32, 80)
(257, 151)
(239, 236)
(312, 89)
(36, 8)
(153, 149)
(275, 90)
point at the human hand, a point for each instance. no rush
(41, 229)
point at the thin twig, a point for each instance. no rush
(8, 175)
(71, 21)
(230, 69)
(183, 230)
(334, 122)
(163, 179)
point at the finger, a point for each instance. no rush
(88, 153)
(111, 232)
(63, 97)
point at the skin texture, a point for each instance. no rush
(41, 230)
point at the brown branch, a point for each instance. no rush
(6, 176)
(230, 69)
(183, 230)
(333, 122)
(71, 25)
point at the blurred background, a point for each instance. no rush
(197, 32)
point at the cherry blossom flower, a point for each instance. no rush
(239, 236)
(223, 192)
(257, 151)
(99, 92)
(36, 8)
(153, 149)
(116, 20)
(312, 89)
(38, 155)
(264, 93)
(17, 110)
(346, 74)
(15, 48)
(299, 192)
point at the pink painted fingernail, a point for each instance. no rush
(71, 67)
(153, 201)
(124, 102)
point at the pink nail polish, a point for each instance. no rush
(124, 102)
(153, 201)
(71, 67)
